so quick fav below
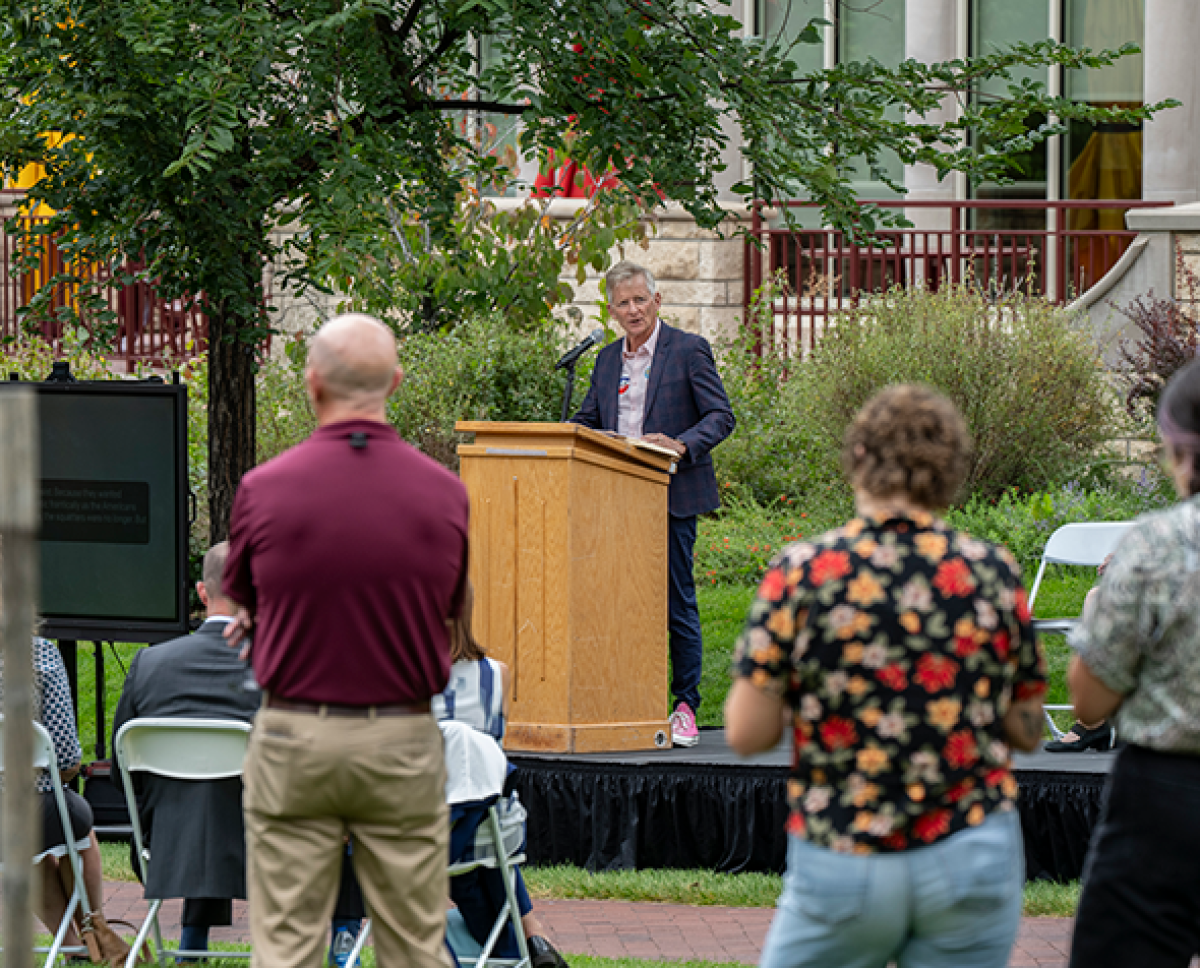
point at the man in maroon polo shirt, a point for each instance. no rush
(347, 556)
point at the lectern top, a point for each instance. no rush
(516, 436)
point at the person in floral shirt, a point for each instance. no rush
(904, 654)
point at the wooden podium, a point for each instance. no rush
(569, 562)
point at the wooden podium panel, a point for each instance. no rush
(569, 562)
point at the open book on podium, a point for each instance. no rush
(569, 562)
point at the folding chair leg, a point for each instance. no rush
(151, 922)
(510, 877)
(61, 935)
(359, 943)
(1054, 730)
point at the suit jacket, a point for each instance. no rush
(194, 830)
(685, 399)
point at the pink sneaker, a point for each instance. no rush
(683, 726)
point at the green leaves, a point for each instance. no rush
(192, 128)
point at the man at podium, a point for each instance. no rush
(661, 385)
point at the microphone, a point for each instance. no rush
(570, 358)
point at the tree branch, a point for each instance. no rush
(409, 21)
(492, 107)
(449, 39)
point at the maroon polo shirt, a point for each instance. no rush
(352, 558)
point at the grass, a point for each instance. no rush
(701, 887)
(697, 887)
(722, 615)
(116, 663)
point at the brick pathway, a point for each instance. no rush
(620, 929)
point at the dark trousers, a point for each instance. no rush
(687, 647)
(1141, 884)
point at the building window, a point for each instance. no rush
(1089, 162)
(860, 32)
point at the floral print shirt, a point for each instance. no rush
(1142, 636)
(898, 644)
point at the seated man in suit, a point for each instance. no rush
(194, 830)
(661, 385)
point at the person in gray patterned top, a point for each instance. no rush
(1138, 656)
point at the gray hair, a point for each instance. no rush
(623, 272)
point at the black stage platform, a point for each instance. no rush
(707, 807)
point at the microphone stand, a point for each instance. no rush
(568, 389)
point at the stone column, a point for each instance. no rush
(1171, 148)
(930, 35)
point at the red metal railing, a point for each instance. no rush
(148, 328)
(825, 272)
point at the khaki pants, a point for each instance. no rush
(310, 780)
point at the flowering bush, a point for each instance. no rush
(736, 545)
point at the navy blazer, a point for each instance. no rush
(685, 399)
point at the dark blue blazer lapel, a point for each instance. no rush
(662, 352)
(607, 383)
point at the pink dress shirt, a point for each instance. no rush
(631, 391)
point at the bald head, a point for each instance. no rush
(352, 367)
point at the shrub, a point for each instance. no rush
(736, 545)
(1169, 336)
(482, 370)
(1028, 380)
(769, 453)
(32, 357)
(1023, 522)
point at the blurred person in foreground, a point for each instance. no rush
(1138, 657)
(347, 559)
(902, 655)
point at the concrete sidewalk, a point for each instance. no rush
(621, 929)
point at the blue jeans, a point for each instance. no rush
(687, 648)
(956, 904)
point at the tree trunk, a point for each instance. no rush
(231, 416)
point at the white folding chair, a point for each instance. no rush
(497, 845)
(180, 749)
(44, 759)
(1085, 544)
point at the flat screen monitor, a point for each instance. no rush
(114, 510)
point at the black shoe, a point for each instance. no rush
(1100, 739)
(543, 954)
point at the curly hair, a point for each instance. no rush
(908, 440)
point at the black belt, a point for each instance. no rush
(348, 712)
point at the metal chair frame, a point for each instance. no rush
(1082, 544)
(509, 913)
(44, 758)
(180, 749)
